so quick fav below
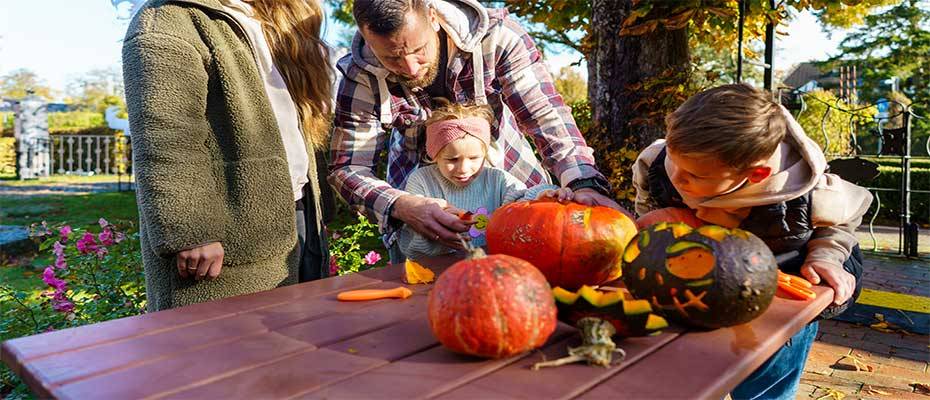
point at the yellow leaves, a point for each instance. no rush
(857, 364)
(641, 29)
(832, 394)
(870, 390)
(885, 326)
(415, 273)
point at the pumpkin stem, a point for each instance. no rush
(473, 252)
(597, 348)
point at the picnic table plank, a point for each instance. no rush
(190, 368)
(723, 357)
(21, 350)
(328, 328)
(422, 374)
(58, 369)
(289, 377)
(391, 343)
(519, 381)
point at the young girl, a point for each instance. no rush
(457, 140)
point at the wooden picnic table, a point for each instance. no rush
(299, 341)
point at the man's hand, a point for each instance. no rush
(428, 217)
(842, 282)
(560, 194)
(200, 262)
(591, 197)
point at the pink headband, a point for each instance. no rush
(441, 133)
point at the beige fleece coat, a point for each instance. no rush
(208, 156)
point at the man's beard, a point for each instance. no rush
(431, 73)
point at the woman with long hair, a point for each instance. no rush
(229, 103)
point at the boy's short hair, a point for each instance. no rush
(448, 111)
(737, 124)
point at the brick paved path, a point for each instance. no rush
(897, 360)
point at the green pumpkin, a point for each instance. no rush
(707, 277)
(629, 317)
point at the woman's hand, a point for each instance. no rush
(201, 262)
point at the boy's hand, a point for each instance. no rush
(201, 262)
(561, 194)
(842, 282)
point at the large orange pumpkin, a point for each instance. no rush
(670, 214)
(572, 244)
(492, 306)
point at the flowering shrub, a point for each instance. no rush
(345, 252)
(93, 277)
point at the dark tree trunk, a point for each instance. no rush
(633, 81)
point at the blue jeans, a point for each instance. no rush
(779, 376)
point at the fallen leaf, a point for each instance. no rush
(857, 365)
(872, 390)
(921, 387)
(415, 273)
(832, 394)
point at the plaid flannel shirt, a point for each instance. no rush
(517, 86)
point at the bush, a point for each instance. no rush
(890, 178)
(7, 156)
(68, 123)
(345, 248)
(838, 139)
(896, 162)
(95, 276)
(75, 120)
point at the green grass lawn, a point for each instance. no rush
(86, 210)
(10, 180)
(78, 210)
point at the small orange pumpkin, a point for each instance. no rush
(491, 306)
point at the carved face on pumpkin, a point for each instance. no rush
(708, 277)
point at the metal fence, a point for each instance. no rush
(92, 155)
(857, 166)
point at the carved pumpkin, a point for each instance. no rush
(491, 306)
(628, 316)
(708, 277)
(670, 214)
(572, 244)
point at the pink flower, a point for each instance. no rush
(64, 232)
(372, 257)
(60, 263)
(102, 252)
(106, 237)
(103, 223)
(120, 236)
(48, 276)
(59, 250)
(336, 235)
(87, 244)
(61, 303)
(333, 266)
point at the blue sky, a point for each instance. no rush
(62, 39)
